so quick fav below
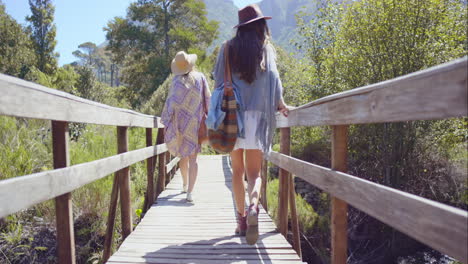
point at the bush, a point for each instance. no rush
(306, 214)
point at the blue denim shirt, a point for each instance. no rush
(216, 115)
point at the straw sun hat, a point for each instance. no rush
(183, 63)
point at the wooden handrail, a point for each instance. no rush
(172, 164)
(29, 100)
(21, 98)
(440, 226)
(435, 93)
(19, 193)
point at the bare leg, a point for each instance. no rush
(184, 171)
(193, 171)
(253, 164)
(237, 158)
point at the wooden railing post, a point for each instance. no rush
(283, 193)
(124, 184)
(149, 199)
(263, 196)
(63, 203)
(111, 219)
(339, 208)
(161, 185)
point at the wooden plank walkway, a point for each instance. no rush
(174, 231)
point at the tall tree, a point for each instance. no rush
(88, 54)
(152, 32)
(43, 34)
(16, 52)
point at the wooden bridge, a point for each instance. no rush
(173, 231)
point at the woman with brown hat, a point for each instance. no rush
(254, 74)
(182, 114)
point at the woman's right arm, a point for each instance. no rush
(282, 106)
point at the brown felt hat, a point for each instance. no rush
(250, 14)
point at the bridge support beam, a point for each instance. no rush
(150, 197)
(283, 192)
(263, 195)
(339, 208)
(161, 185)
(63, 203)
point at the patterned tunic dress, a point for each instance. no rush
(183, 112)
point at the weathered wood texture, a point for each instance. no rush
(63, 203)
(168, 175)
(26, 99)
(174, 231)
(25, 191)
(171, 165)
(150, 197)
(339, 208)
(108, 239)
(263, 197)
(283, 192)
(294, 218)
(161, 183)
(439, 226)
(435, 93)
(124, 184)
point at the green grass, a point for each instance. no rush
(24, 147)
(306, 214)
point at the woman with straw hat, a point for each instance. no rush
(182, 115)
(254, 73)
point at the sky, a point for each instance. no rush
(80, 21)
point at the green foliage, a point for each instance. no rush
(64, 78)
(16, 53)
(13, 231)
(153, 31)
(138, 212)
(305, 212)
(43, 32)
(272, 198)
(154, 105)
(23, 147)
(86, 83)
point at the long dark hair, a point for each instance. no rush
(246, 49)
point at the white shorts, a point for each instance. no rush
(251, 121)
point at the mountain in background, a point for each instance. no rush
(283, 23)
(225, 12)
(282, 26)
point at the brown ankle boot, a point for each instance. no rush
(252, 225)
(241, 225)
